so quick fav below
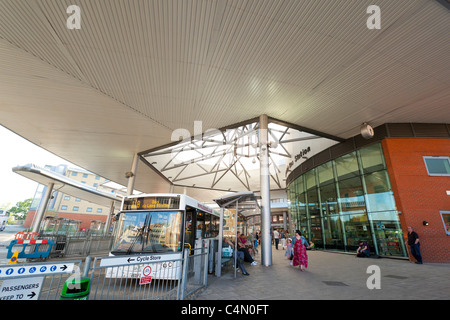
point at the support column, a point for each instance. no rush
(108, 219)
(266, 243)
(219, 247)
(132, 175)
(43, 207)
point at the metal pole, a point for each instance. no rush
(235, 239)
(184, 275)
(219, 245)
(43, 207)
(132, 178)
(205, 251)
(266, 245)
(108, 218)
(87, 266)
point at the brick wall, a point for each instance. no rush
(419, 196)
(85, 218)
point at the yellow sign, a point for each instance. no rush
(13, 259)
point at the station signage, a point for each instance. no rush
(151, 203)
(137, 259)
(146, 276)
(29, 270)
(27, 288)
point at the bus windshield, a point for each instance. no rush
(149, 232)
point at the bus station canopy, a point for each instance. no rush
(68, 186)
(139, 74)
(246, 202)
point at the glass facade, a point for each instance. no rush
(346, 200)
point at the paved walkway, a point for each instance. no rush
(331, 276)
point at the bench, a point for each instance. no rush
(227, 255)
(226, 260)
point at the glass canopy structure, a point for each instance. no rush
(228, 159)
(256, 155)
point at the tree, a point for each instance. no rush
(21, 208)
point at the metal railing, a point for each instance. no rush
(140, 277)
(36, 281)
(78, 245)
(195, 271)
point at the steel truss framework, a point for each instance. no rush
(227, 159)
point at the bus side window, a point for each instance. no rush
(200, 225)
(189, 238)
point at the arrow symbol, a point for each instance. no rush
(31, 295)
(64, 267)
(129, 260)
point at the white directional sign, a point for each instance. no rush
(27, 288)
(44, 269)
(126, 260)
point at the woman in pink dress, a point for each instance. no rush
(299, 244)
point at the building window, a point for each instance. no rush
(75, 208)
(74, 173)
(85, 175)
(63, 207)
(437, 166)
(66, 197)
(89, 210)
(77, 199)
(99, 210)
(445, 215)
(346, 200)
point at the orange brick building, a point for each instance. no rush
(420, 196)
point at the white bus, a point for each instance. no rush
(4, 215)
(156, 227)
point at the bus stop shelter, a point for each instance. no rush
(235, 204)
(55, 181)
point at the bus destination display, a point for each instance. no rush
(151, 203)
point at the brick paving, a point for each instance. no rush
(331, 276)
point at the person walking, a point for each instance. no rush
(299, 245)
(414, 244)
(288, 248)
(283, 238)
(276, 237)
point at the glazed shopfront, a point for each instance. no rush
(348, 199)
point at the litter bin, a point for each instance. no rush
(76, 289)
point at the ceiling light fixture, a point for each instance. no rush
(366, 131)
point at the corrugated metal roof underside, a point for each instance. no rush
(138, 69)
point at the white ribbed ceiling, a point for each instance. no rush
(138, 69)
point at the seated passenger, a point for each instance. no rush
(240, 255)
(244, 249)
(248, 244)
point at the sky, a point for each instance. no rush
(16, 151)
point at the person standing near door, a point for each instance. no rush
(414, 244)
